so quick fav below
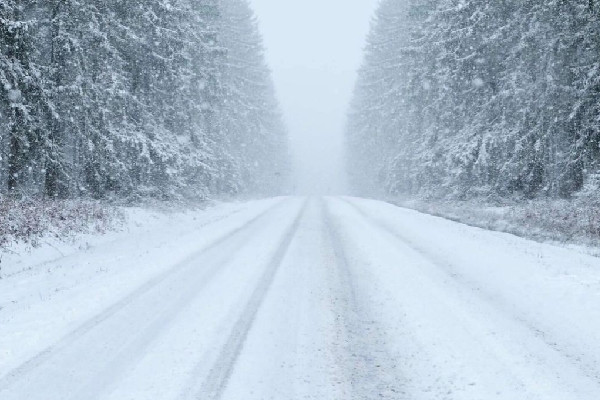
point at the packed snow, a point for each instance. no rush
(313, 298)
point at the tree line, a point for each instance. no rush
(138, 98)
(476, 98)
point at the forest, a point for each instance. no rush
(471, 99)
(108, 99)
(301, 199)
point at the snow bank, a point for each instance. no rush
(575, 223)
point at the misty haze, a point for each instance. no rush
(291, 200)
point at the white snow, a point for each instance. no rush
(481, 314)
(293, 298)
(48, 291)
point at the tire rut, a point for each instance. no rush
(589, 368)
(371, 369)
(215, 384)
(19, 372)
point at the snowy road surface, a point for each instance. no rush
(293, 298)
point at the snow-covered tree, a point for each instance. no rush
(466, 98)
(108, 98)
(376, 105)
(252, 121)
(23, 106)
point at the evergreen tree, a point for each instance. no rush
(22, 102)
(161, 98)
(488, 99)
(253, 124)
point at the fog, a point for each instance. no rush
(314, 48)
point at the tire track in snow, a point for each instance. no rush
(15, 374)
(46, 263)
(164, 314)
(373, 372)
(218, 377)
(590, 368)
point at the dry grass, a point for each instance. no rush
(575, 221)
(27, 221)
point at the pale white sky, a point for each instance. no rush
(314, 48)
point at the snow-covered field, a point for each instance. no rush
(294, 298)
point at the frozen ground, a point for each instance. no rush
(293, 298)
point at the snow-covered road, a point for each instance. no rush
(295, 298)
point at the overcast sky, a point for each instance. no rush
(314, 48)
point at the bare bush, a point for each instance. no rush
(561, 220)
(575, 221)
(27, 221)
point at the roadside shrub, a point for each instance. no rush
(562, 220)
(575, 221)
(27, 221)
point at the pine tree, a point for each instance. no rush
(22, 103)
(133, 99)
(489, 98)
(251, 119)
